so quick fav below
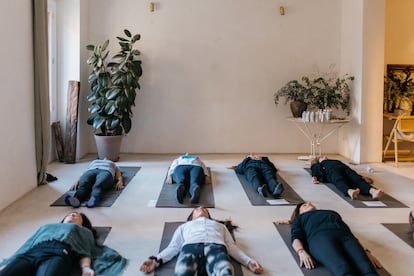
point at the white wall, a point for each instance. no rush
(18, 166)
(399, 34)
(211, 68)
(68, 53)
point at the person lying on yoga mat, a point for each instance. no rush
(204, 246)
(322, 236)
(343, 177)
(58, 248)
(190, 173)
(101, 175)
(261, 174)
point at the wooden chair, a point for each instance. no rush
(403, 130)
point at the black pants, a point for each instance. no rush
(190, 176)
(341, 253)
(344, 178)
(51, 258)
(258, 173)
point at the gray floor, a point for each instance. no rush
(137, 224)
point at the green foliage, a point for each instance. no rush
(113, 85)
(319, 92)
(293, 91)
(331, 93)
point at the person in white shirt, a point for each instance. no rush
(203, 245)
(190, 173)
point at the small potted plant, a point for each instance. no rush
(296, 94)
(113, 87)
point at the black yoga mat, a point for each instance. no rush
(167, 269)
(319, 270)
(386, 201)
(402, 230)
(168, 196)
(289, 195)
(110, 196)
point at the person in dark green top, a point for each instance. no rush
(59, 248)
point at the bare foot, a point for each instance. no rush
(353, 194)
(367, 179)
(376, 193)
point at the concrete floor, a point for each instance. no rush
(137, 225)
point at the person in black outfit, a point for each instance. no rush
(323, 236)
(261, 174)
(343, 177)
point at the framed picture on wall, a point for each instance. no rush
(399, 89)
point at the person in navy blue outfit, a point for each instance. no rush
(323, 236)
(343, 177)
(261, 174)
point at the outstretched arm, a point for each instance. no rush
(305, 258)
(148, 266)
(254, 267)
(120, 180)
(85, 264)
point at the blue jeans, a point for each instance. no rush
(203, 259)
(94, 183)
(52, 258)
(190, 176)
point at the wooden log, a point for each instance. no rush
(71, 122)
(57, 134)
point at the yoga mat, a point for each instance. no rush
(289, 196)
(167, 269)
(110, 196)
(402, 230)
(168, 196)
(319, 270)
(364, 201)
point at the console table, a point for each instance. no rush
(317, 132)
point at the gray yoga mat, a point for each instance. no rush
(387, 200)
(256, 199)
(110, 196)
(168, 196)
(402, 230)
(319, 270)
(167, 269)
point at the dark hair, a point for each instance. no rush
(190, 216)
(228, 223)
(85, 223)
(295, 212)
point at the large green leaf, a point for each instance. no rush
(113, 93)
(127, 33)
(98, 121)
(110, 107)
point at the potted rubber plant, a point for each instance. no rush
(113, 87)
